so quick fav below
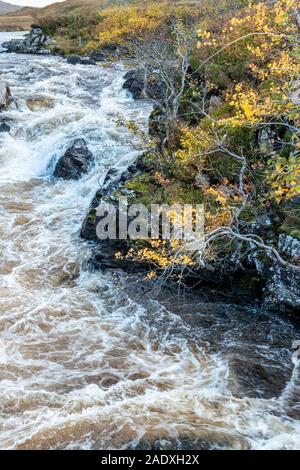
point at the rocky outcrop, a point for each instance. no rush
(76, 161)
(109, 254)
(282, 291)
(36, 42)
(104, 256)
(281, 283)
(112, 181)
(5, 95)
(142, 84)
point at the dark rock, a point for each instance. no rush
(112, 172)
(143, 84)
(88, 61)
(126, 176)
(105, 255)
(210, 440)
(74, 60)
(289, 246)
(89, 226)
(77, 60)
(112, 180)
(76, 161)
(282, 283)
(98, 56)
(135, 82)
(4, 127)
(282, 292)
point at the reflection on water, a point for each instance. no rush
(89, 361)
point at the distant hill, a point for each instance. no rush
(16, 18)
(20, 19)
(8, 8)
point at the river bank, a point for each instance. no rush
(92, 360)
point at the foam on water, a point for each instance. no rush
(84, 362)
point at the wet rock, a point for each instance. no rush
(104, 257)
(143, 84)
(36, 42)
(210, 440)
(111, 174)
(98, 56)
(77, 60)
(282, 291)
(253, 378)
(4, 127)
(289, 246)
(112, 181)
(135, 83)
(76, 161)
(37, 102)
(90, 223)
(5, 95)
(281, 283)
(110, 254)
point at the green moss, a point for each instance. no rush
(295, 233)
(91, 218)
(139, 184)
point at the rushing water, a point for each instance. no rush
(93, 361)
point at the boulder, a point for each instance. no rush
(98, 56)
(282, 283)
(76, 161)
(104, 257)
(4, 127)
(5, 95)
(110, 254)
(282, 291)
(77, 60)
(111, 182)
(36, 42)
(143, 84)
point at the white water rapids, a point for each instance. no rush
(91, 360)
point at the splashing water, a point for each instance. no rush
(87, 360)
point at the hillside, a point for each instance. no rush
(7, 8)
(22, 18)
(16, 19)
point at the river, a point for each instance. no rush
(95, 361)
